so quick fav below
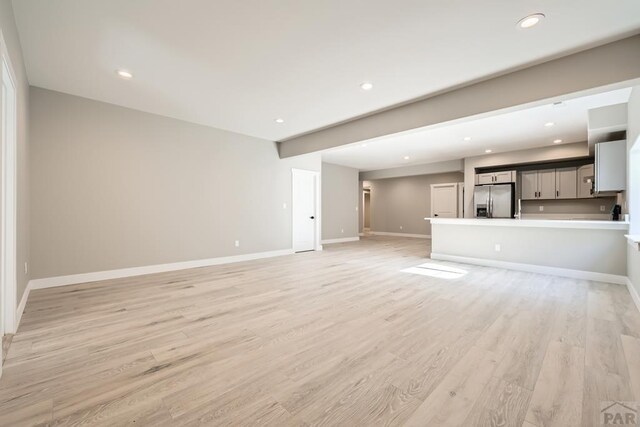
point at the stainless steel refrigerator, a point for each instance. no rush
(494, 201)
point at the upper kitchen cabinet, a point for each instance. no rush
(495, 177)
(540, 184)
(611, 166)
(529, 181)
(566, 183)
(547, 184)
(585, 181)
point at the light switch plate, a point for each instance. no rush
(541, 208)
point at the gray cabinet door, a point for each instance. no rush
(529, 185)
(547, 184)
(502, 177)
(611, 169)
(566, 183)
(585, 181)
(485, 178)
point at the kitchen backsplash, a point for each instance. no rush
(573, 206)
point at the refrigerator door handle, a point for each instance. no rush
(488, 207)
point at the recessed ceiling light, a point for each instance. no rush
(531, 20)
(487, 151)
(406, 157)
(557, 141)
(467, 138)
(124, 74)
(279, 120)
(549, 124)
(366, 86)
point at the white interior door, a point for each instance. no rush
(304, 210)
(444, 200)
(8, 130)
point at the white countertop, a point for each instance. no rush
(541, 223)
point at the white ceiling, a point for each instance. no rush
(239, 64)
(502, 132)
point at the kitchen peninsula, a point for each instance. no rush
(592, 250)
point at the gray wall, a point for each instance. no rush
(10, 35)
(405, 202)
(633, 193)
(412, 170)
(115, 188)
(587, 207)
(601, 251)
(339, 202)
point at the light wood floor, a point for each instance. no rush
(339, 337)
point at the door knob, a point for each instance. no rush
(312, 217)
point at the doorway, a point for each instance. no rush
(366, 210)
(305, 208)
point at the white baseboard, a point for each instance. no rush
(22, 305)
(341, 240)
(386, 233)
(634, 294)
(534, 268)
(73, 279)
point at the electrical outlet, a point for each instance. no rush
(26, 268)
(497, 247)
(541, 208)
(356, 209)
(284, 205)
(400, 227)
(603, 208)
(237, 243)
(342, 230)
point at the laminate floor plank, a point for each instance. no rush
(337, 337)
(557, 397)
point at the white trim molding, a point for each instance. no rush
(634, 294)
(22, 305)
(341, 240)
(74, 279)
(386, 233)
(633, 240)
(534, 268)
(534, 223)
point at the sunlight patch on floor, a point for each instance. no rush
(436, 270)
